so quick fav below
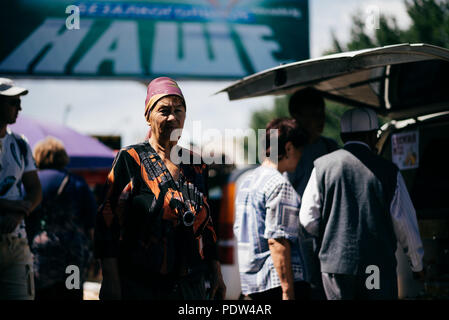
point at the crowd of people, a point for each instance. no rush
(152, 231)
(350, 209)
(309, 220)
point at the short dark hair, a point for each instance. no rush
(289, 131)
(305, 98)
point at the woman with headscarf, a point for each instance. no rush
(154, 232)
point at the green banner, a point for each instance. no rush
(206, 39)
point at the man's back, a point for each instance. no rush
(357, 231)
(356, 203)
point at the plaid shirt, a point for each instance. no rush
(267, 207)
(139, 224)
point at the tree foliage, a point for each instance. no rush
(260, 119)
(429, 24)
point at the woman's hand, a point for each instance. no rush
(217, 285)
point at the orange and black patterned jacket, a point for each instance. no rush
(140, 219)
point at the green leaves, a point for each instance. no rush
(430, 24)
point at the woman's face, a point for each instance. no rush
(290, 160)
(167, 115)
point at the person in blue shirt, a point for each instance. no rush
(60, 231)
(271, 261)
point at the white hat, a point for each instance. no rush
(359, 119)
(8, 88)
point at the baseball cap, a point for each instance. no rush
(159, 88)
(358, 120)
(8, 88)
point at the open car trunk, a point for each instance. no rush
(398, 81)
(401, 82)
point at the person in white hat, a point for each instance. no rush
(17, 168)
(357, 205)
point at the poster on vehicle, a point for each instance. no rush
(405, 150)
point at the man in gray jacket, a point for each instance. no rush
(357, 205)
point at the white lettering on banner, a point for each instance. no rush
(118, 44)
(201, 49)
(220, 57)
(63, 44)
(73, 280)
(73, 20)
(260, 51)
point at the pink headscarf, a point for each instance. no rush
(159, 88)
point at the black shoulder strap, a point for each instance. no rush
(62, 185)
(155, 168)
(50, 205)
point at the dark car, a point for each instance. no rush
(426, 173)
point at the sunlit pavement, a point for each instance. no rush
(91, 290)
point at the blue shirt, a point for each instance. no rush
(16, 159)
(77, 189)
(267, 207)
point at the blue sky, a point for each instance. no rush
(116, 107)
